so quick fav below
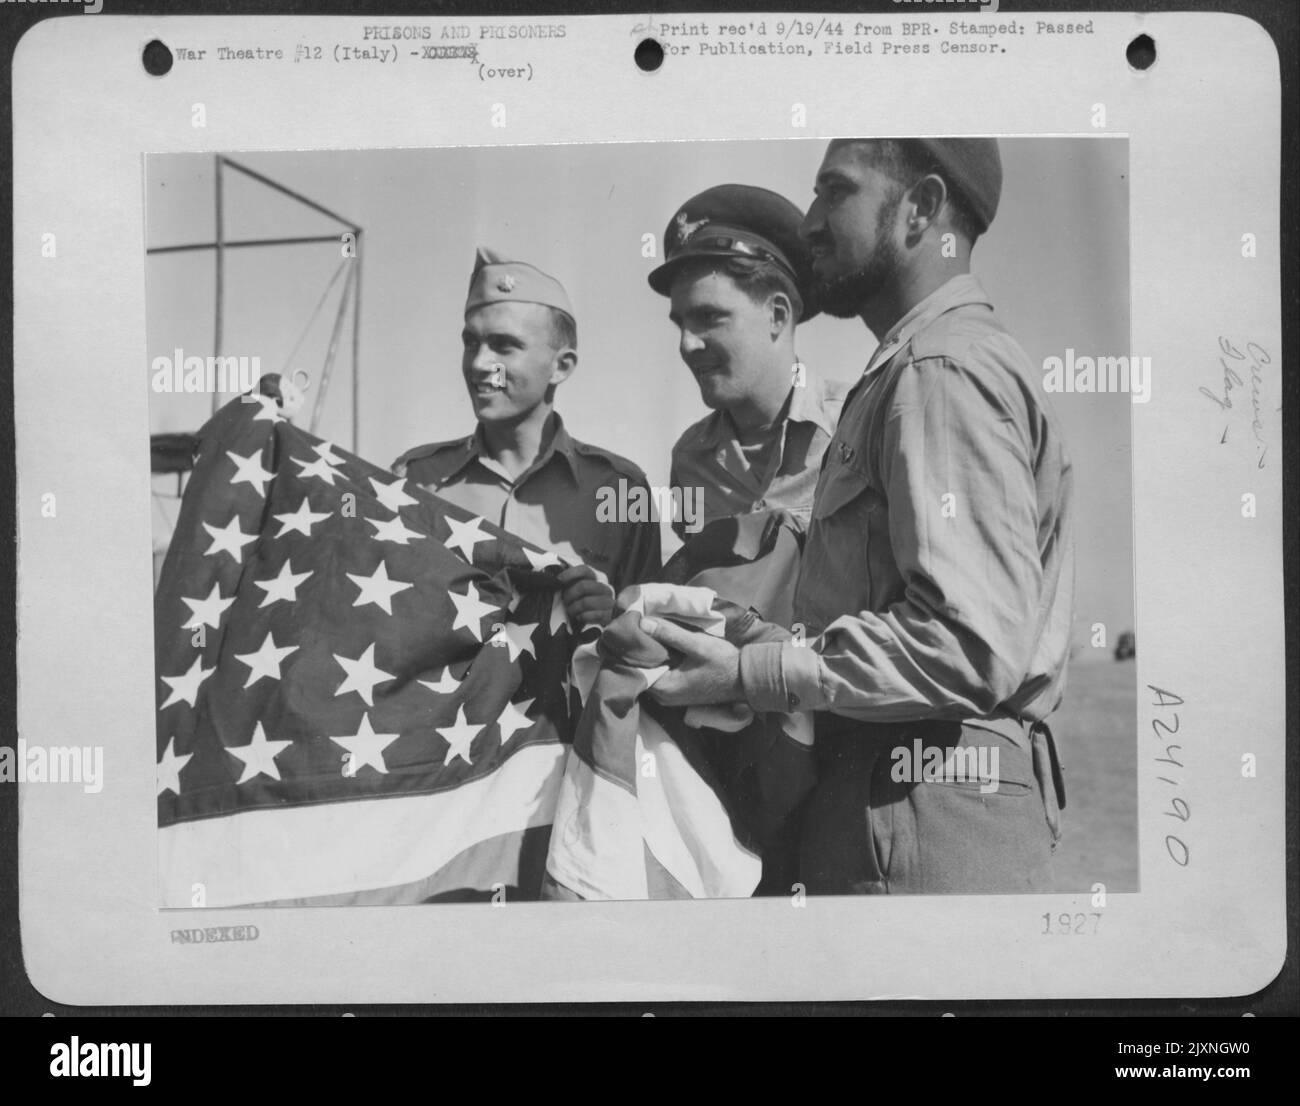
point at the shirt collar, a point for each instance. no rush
(958, 291)
(808, 404)
(805, 404)
(560, 445)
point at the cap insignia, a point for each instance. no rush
(685, 228)
(505, 283)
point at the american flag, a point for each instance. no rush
(362, 689)
(660, 802)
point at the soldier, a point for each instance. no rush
(520, 468)
(738, 277)
(937, 574)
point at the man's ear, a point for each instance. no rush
(925, 202)
(566, 360)
(781, 312)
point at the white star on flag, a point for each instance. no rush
(186, 687)
(169, 769)
(206, 612)
(393, 531)
(229, 539)
(266, 661)
(443, 685)
(465, 535)
(270, 410)
(377, 588)
(459, 737)
(559, 616)
(258, 755)
(470, 610)
(366, 747)
(517, 637)
(319, 468)
(362, 676)
(514, 718)
(541, 560)
(393, 496)
(249, 470)
(284, 586)
(325, 451)
(302, 520)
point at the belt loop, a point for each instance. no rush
(1058, 770)
(1047, 769)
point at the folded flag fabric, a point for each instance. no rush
(635, 818)
(663, 803)
(362, 689)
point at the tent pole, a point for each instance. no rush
(356, 348)
(221, 264)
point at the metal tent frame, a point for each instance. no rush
(351, 289)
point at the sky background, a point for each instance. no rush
(1055, 263)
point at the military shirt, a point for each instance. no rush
(566, 501)
(709, 456)
(938, 569)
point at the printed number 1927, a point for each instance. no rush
(1071, 923)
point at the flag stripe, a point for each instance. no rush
(261, 855)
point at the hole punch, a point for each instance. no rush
(649, 55)
(1141, 52)
(157, 58)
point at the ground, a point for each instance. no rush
(1096, 733)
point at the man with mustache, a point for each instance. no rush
(937, 575)
(738, 276)
(520, 468)
(739, 280)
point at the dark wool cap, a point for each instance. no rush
(974, 167)
(738, 221)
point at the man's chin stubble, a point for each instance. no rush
(844, 296)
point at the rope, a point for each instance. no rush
(319, 304)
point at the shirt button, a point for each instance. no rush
(793, 700)
(761, 505)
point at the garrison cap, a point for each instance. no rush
(974, 167)
(739, 221)
(496, 280)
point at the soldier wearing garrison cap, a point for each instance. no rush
(520, 468)
(739, 278)
(935, 589)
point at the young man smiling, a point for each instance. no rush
(520, 468)
(738, 277)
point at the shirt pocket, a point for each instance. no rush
(835, 573)
(846, 489)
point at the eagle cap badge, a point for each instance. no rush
(685, 228)
(505, 283)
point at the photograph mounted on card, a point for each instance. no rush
(567, 508)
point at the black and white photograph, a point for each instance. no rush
(781, 549)
(720, 510)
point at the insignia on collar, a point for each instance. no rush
(505, 283)
(685, 228)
